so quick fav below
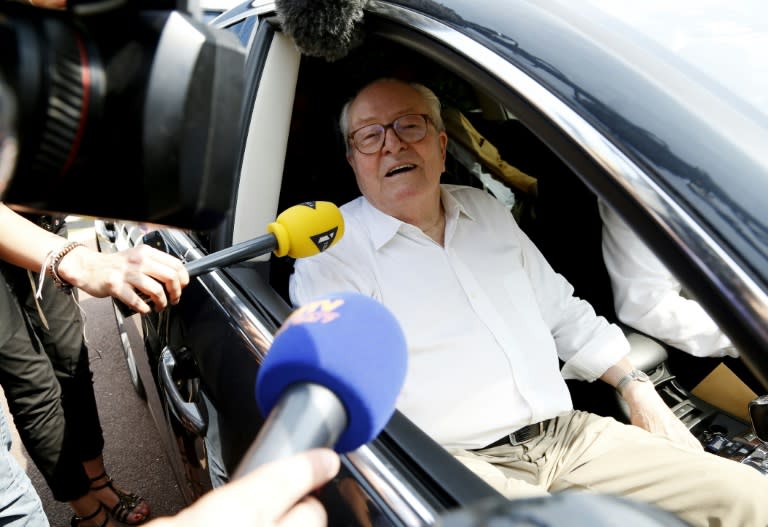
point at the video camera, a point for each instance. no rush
(119, 109)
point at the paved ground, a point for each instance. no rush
(133, 452)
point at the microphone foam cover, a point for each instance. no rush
(349, 344)
(307, 229)
(322, 28)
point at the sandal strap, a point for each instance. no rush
(126, 503)
(77, 520)
(108, 483)
(102, 475)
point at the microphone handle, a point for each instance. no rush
(237, 253)
(306, 416)
(258, 246)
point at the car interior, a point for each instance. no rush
(492, 149)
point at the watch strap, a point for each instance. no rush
(634, 375)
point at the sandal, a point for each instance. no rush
(77, 520)
(126, 504)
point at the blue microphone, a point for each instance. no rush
(330, 379)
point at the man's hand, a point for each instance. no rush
(646, 407)
(274, 495)
(649, 411)
(121, 274)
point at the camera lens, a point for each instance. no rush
(133, 97)
(56, 77)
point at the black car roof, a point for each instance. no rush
(699, 139)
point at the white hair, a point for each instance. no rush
(433, 106)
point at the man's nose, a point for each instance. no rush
(392, 142)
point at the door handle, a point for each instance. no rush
(188, 413)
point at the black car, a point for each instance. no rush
(658, 111)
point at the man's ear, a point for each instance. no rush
(443, 144)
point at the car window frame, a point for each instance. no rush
(606, 170)
(678, 238)
(601, 165)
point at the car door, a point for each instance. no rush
(203, 354)
(540, 119)
(207, 349)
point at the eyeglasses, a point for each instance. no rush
(409, 128)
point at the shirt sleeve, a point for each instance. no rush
(648, 297)
(341, 268)
(587, 343)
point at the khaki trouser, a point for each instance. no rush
(582, 451)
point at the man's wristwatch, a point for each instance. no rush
(634, 375)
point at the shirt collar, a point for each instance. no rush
(384, 227)
(452, 206)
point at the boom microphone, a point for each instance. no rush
(322, 28)
(299, 231)
(330, 379)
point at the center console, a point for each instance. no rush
(719, 432)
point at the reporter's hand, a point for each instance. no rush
(649, 411)
(273, 495)
(122, 274)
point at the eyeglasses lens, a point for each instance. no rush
(409, 129)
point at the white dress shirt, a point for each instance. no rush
(485, 316)
(647, 296)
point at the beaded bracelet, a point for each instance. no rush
(55, 260)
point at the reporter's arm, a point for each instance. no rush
(23, 243)
(273, 495)
(153, 272)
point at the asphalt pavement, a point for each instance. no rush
(133, 453)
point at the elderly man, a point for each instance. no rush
(486, 319)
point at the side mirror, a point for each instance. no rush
(758, 412)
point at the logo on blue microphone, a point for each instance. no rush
(317, 312)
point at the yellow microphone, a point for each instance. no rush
(307, 229)
(300, 231)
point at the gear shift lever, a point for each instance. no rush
(758, 412)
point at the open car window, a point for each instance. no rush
(489, 148)
(502, 141)
(498, 142)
